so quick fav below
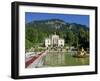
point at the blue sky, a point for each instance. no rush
(70, 18)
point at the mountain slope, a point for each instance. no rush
(37, 31)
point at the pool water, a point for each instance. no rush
(53, 59)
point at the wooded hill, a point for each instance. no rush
(74, 34)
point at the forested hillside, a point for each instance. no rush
(74, 34)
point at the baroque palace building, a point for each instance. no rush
(54, 41)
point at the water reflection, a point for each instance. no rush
(63, 59)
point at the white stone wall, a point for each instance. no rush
(60, 42)
(47, 42)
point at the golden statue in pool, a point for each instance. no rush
(81, 53)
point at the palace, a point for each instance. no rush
(53, 41)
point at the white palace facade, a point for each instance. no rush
(54, 40)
